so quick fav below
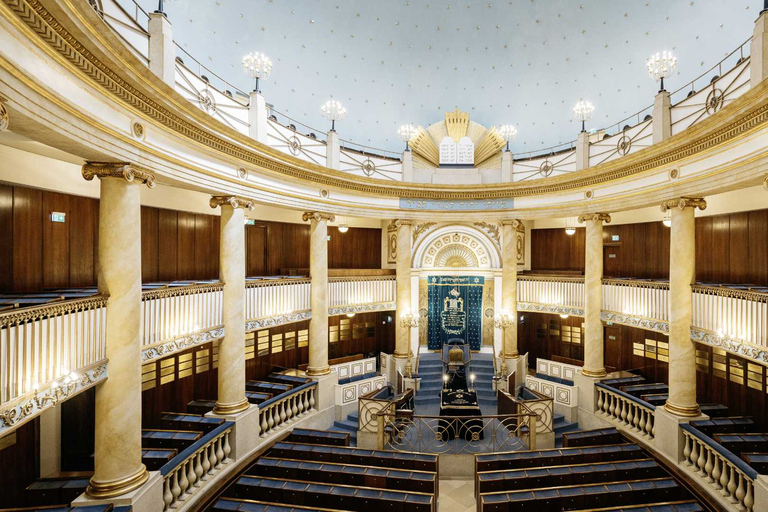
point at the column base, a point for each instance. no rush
(316, 372)
(400, 355)
(112, 488)
(224, 409)
(686, 411)
(594, 374)
(667, 434)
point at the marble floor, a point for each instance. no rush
(456, 496)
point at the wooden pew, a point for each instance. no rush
(673, 506)
(759, 461)
(356, 456)
(326, 437)
(176, 439)
(240, 505)
(740, 443)
(55, 491)
(732, 425)
(601, 436)
(557, 457)
(638, 390)
(206, 406)
(293, 380)
(155, 458)
(182, 421)
(275, 388)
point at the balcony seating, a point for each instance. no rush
(557, 457)
(195, 422)
(55, 491)
(596, 437)
(257, 506)
(623, 381)
(356, 456)
(732, 425)
(206, 406)
(275, 388)
(294, 380)
(677, 506)
(324, 437)
(714, 410)
(741, 443)
(758, 461)
(638, 390)
(176, 439)
(64, 508)
(155, 458)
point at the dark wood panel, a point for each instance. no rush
(757, 262)
(150, 244)
(185, 251)
(21, 464)
(256, 257)
(204, 264)
(28, 238)
(167, 232)
(82, 240)
(55, 240)
(6, 238)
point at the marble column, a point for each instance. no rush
(403, 269)
(509, 255)
(593, 291)
(117, 455)
(231, 399)
(682, 270)
(318, 272)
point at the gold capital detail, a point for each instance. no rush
(233, 201)
(403, 222)
(127, 171)
(3, 115)
(233, 408)
(682, 203)
(765, 182)
(112, 488)
(600, 217)
(515, 223)
(318, 216)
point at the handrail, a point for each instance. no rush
(625, 409)
(207, 69)
(733, 459)
(718, 65)
(286, 407)
(626, 395)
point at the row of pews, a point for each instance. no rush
(318, 470)
(739, 435)
(595, 470)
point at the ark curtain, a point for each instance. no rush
(455, 310)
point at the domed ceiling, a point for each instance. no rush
(525, 62)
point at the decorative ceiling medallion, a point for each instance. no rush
(589, 194)
(674, 174)
(137, 129)
(242, 173)
(714, 101)
(4, 121)
(207, 101)
(294, 146)
(368, 167)
(623, 145)
(546, 168)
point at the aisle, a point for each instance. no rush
(456, 496)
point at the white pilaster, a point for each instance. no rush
(333, 150)
(407, 166)
(662, 117)
(404, 306)
(758, 65)
(582, 151)
(257, 117)
(162, 54)
(506, 167)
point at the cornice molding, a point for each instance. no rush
(233, 201)
(597, 217)
(681, 203)
(129, 172)
(743, 115)
(329, 217)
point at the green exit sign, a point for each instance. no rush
(58, 217)
(250, 222)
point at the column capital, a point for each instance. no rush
(599, 217)
(125, 170)
(515, 223)
(3, 115)
(318, 216)
(403, 222)
(765, 182)
(233, 201)
(682, 203)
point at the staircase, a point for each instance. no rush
(561, 426)
(482, 367)
(431, 374)
(348, 425)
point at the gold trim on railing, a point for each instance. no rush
(47, 310)
(722, 291)
(176, 291)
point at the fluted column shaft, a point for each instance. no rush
(231, 399)
(318, 271)
(403, 266)
(117, 455)
(594, 365)
(682, 270)
(509, 230)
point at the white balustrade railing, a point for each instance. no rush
(625, 410)
(41, 344)
(646, 299)
(725, 473)
(286, 408)
(736, 314)
(183, 478)
(268, 297)
(562, 291)
(352, 291)
(177, 311)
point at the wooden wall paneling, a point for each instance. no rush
(78, 428)
(167, 251)
(215, 246)
(203, 260)
(82, 241)
(721, 249)
(55, 257)
(6, 238)
(185, 251)
(758, 247)
(257, 255)
(150, 244)
(704, 247)
(738, 243)
(28, 235)
(21, 464)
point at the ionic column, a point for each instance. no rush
(682, 270)
(117, 457)
(318, 272)
(403, 266)
(509, 230)
(593, 290)
(231, 399)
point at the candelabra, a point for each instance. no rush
(583, 111)
(333, 111)
(660, 66)
(406, 133)
(503, 322)
(508, 132)
(257, 65)
(409, 321)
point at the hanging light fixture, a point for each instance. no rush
(660, 66)
(333, 111)
(257, 66)
(406, 133)
(583, 111)
(667, 220)
(508, 132)
(564, 316)
(570, 229)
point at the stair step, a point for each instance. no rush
(346, 425)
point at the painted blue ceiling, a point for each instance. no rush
(525, 62)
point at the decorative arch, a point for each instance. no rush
(457, 246)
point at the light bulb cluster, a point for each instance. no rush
(257, 66)
(406, 132)
(661, 65)
(583, 111)
(333, 111)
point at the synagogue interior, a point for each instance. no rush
(406, 256)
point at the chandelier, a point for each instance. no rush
(660, 66)
(508, 132)
(583, 112)
(333, 111)
(257, 65)
(406, 133)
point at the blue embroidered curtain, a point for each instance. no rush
(455, 310)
